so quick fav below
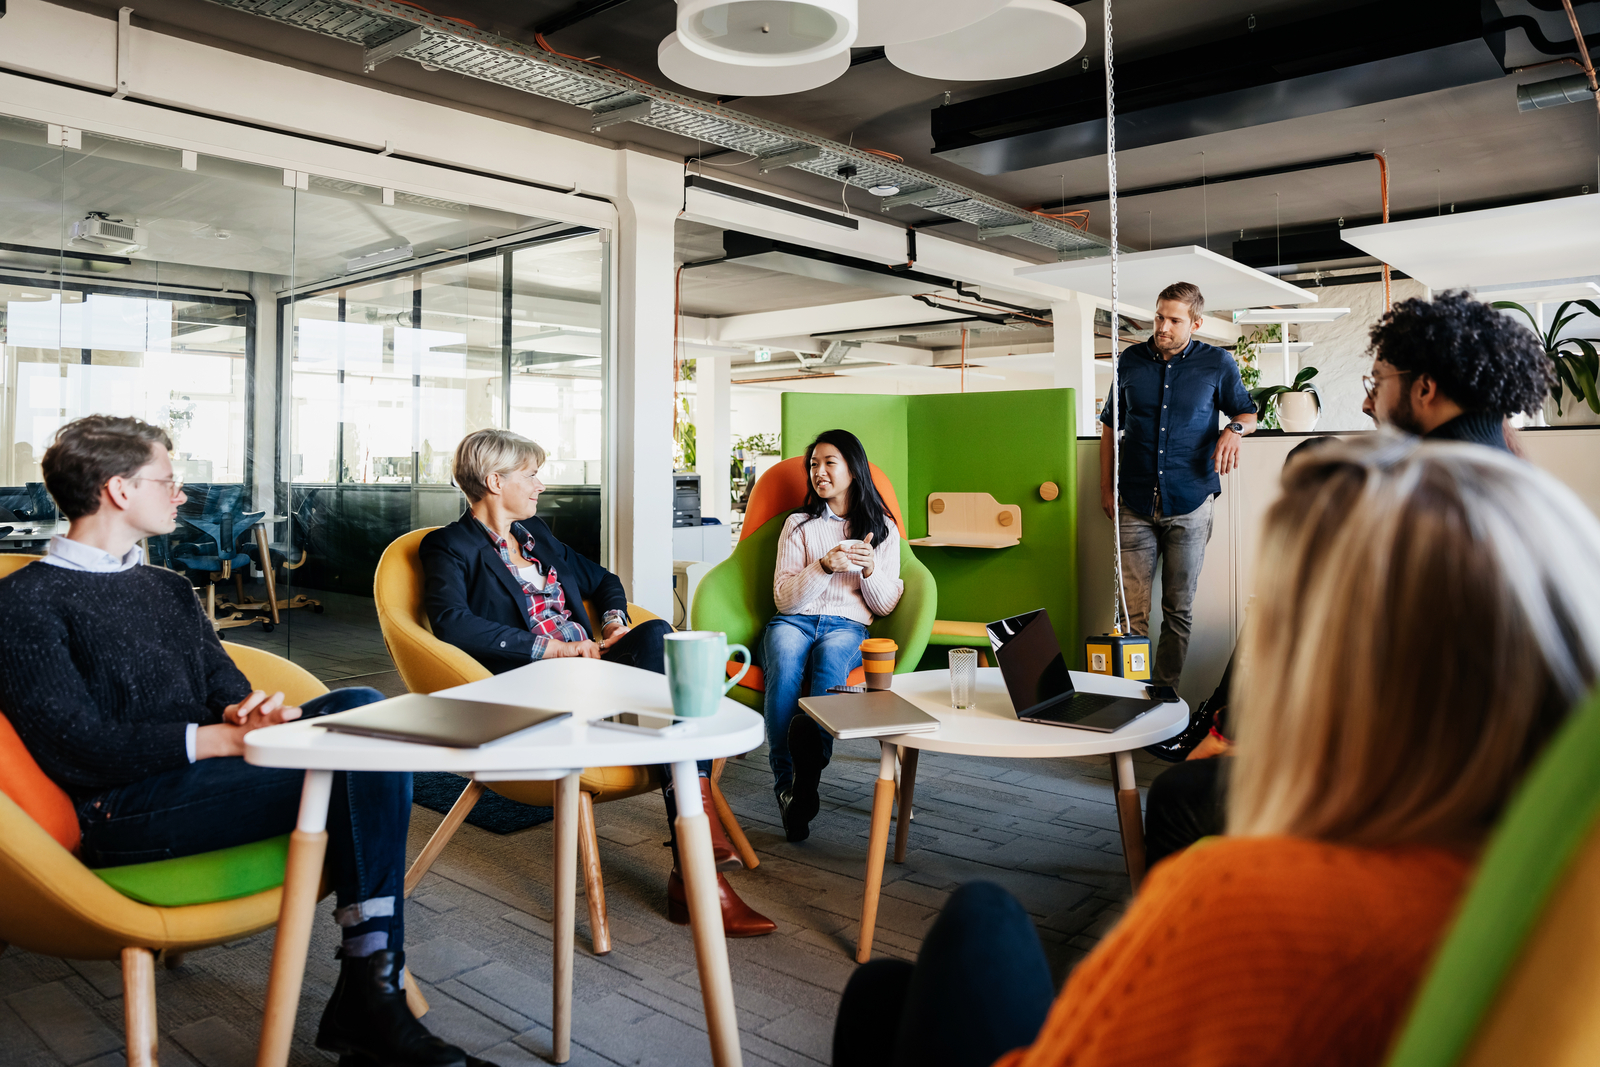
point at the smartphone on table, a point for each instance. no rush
(1164, 693)
(652, 723)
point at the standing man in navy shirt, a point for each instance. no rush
(1171, 389)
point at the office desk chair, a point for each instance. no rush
(289, 555)
(220, 519)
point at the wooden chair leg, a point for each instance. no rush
(594, 887)
(414, 998)
(441, 837)
(908, 785)
(172, 960)
(730, 825)
(139, 1005)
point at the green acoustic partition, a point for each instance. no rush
(1006, 444)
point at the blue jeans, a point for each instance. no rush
(221, 802)
(980, 988)
(803, 655)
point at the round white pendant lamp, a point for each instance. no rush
(886, 22)
(767, 33)
(1023, 37)
(695, 71)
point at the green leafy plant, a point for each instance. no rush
(757, 444)
(1577, 359)
(1266, 397)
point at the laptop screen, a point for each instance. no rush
(1030, 660)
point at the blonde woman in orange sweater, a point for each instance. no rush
(1434, 613)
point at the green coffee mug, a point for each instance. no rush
(697, 672)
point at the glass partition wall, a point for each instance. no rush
(316, 349)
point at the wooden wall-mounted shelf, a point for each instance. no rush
(970, 520)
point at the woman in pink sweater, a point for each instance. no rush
(838, 568)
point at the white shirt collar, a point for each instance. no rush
(76, 556)
(828, 513)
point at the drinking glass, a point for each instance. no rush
(963, 677)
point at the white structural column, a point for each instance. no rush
(713, 411)
(649, 194)
(1073, 319)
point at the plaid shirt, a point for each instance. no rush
(548, 616)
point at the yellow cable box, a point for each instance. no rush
(1122, 655)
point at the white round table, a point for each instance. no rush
(588, 688)
(991, 728)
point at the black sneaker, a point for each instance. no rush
(368, 1023)
(801, 803)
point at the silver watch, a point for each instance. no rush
(1236, 427)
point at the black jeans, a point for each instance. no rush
(980, 988)
(1187, 801)
(222, 802)
(644, 647)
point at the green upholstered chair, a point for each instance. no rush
(735, 596)
(1517, 979)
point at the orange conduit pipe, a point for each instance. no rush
(1383, 178)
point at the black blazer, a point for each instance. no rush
(475, 603)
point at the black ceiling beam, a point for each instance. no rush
(1280, 70)
(1218, 179)
(584, 9)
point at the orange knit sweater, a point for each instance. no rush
(1257, 952)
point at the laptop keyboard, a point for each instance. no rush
(1081, 706)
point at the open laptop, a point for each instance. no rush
(1040, 685)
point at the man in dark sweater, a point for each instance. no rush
(1454, 369)
(117, 684)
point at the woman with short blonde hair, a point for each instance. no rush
(1426, 617)
(500, 586)
(492, 452)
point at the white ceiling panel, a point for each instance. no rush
(1546, 241)
(1141, 275)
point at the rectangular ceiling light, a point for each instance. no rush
(1259, 316)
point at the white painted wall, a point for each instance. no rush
(1339, 349)
(1228, 579)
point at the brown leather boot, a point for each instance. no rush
(722, 849)
(738, 918)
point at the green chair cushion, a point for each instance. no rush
(1533, 845)
(225, 874)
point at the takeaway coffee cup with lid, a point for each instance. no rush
(877, 656)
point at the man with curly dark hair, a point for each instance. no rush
(1454, 369)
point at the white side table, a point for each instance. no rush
(589, 689)
(992, 729)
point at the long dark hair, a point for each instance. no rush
(868, 513)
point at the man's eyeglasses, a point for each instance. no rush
(175, 484)
(1370, 383)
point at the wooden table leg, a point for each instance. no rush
(699, 871)
(877, 843)
(1129, 816)
(908, 785)
(566, 894)
(267, 569)
(302, 877)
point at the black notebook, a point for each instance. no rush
(444, 721)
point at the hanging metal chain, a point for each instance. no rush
(1119, 600)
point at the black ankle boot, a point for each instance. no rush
(800, 803)
(367, 1020)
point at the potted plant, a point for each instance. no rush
(1294, 408)
(1577, 359)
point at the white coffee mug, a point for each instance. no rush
(847, 545)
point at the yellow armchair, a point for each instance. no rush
(52, 904)
(427, 664)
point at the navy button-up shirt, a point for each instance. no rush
(1168, 410)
